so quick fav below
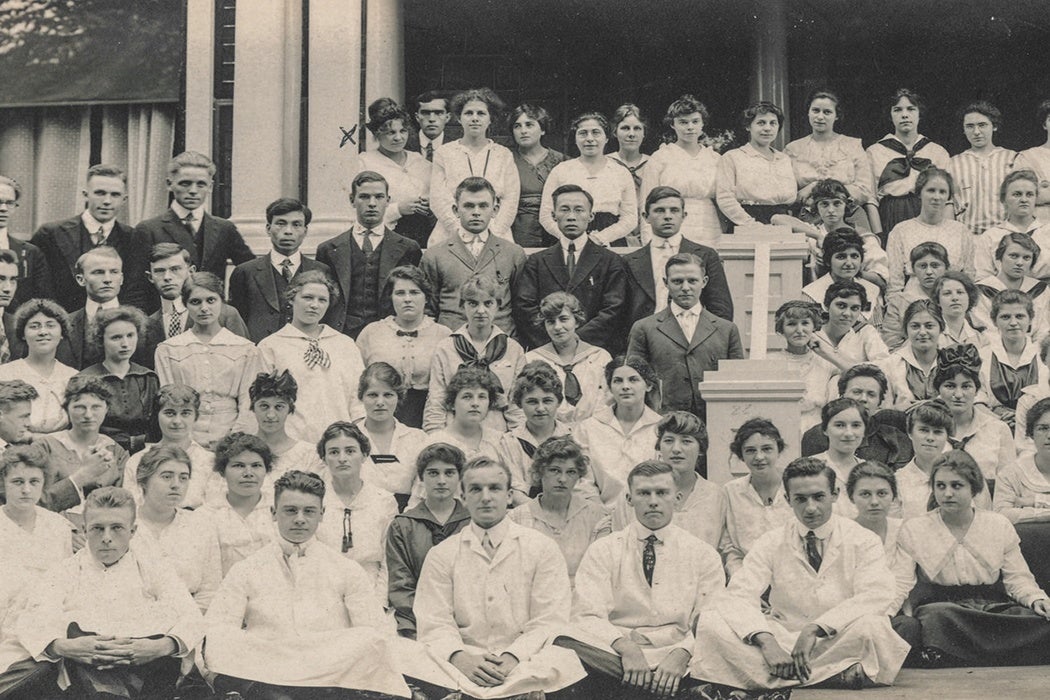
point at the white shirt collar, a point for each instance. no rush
(677, 310)
(167, 307)
(5, 239)
(91, 307)
(823, 532)
(92, 224)
(580, 243)
(182, 212)
(277, 259)
(641, 532)
(497, 533)
(675, 241)
(424, 140)
(467, 237)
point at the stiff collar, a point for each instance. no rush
(92, 224)
(497, 533)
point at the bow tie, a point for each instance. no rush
(410, 334)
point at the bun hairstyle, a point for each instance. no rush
(386, 110)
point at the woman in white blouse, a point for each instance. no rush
(1037, 159)
(406, 340)
(1022, 490)
(845, 422)
(183, 539)
(689, 166)
(407, 173)
(212, 360)
(325, 363)
(274, 396)
(825, 154)
(42, 324)
(607, 181)
(982, 605)
(474, 155)
(756, 181)
(357, 513)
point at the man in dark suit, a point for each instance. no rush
(593, 274)
(210, 241)
(34, 278)
(257, 287)
(99, 271)
(362, 257)
(684, 340)
(432, 117)
(169, 267)
(8, 291)
(665, 210)
(64, 242)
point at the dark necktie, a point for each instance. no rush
(5, 346)
(649, 559)
(813, 551)
(408, 334)
(197, 234)
(100, 237)
(573, 393)
(430, 151)
(570, 262)
(348, 533)
(367, 246)
(286, 270)
(175, 323)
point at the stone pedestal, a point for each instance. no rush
(761, 287)
(743, 389)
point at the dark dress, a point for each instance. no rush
(129, 420)
(527, 231)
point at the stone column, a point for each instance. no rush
(385, 50)
(334, 110)
(769, 59)
(200, 71)
(265, 112)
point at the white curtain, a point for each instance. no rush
(48, 149)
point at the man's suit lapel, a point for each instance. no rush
(210, 231)
(68, 241)
(390, 252)
(705, 327)
(178, 233)
(554, 261)
(667, 324)
(263, 274)
(341, 263)
(641, 267)
(460, 252)
(585, 265)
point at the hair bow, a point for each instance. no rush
(963, 355)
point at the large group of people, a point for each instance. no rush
(463, 449)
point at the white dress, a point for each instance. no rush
(589, 369)
(614, 451)
(370, 514)
(47, 414)
(701, 515)
(202, 474)
(694, 176)
(747, 518)
(190, 546)
(453, 163)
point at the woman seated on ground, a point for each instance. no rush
(910, 368)
(844, 421)
(935, 188)
(929, 262)
(1015, 256)
(117, 332)
(982, 604)
(558, 510)
(478, 343)
(976, 430)
(872, 489)
(930, 426)
(183, 539)
(413, 533)
(816, 362)
(607, 181)
(754, 503)
(690, 166)
(844, 254)
(528, 124)
(176, 408)
(756, 181)
(619, 436)
(1010, 362)
(847, 331)
(1022, 491)
(358, 513)
(242, 520)
(956, 297)
(391, 463)
(682, 442)
(1018, 193)
(537, 391)
(568, 355)
(42, 324)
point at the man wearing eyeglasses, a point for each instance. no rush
(297, 619)
(34, 276)
(257, 286)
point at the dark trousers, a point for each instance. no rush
(605, 671)
(254, 690)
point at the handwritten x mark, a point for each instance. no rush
(348, 136)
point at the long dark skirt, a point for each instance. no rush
(893, 210)
(410, 409)
(982, 626)
(1035, 543)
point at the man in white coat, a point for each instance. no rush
(640, 591)
(830, 588)
(109, 621)
(489, 600)
(297, 617)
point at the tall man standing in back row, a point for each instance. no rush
(211, 242)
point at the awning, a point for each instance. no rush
(69, 52)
